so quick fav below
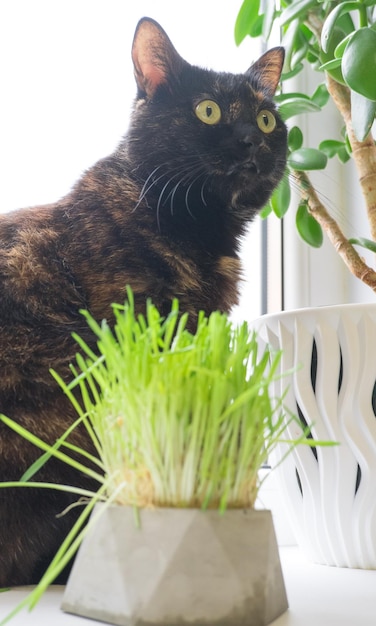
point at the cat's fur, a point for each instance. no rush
(164, 213)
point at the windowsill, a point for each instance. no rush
(317, 595)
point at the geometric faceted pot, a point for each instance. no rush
(178, 567)
(329, 378)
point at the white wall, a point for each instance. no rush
(67, 81)
(66, 84)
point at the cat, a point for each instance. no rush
(165, 214)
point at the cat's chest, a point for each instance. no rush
(209, 286)
(201, 280)
(227, 275)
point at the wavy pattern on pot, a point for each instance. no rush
(330, 493)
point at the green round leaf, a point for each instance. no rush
(309, 230)
(288, 42)
(321, 95)
(247, 16)
(266, 211)
(256, 28)
(344, 154)
(359, 63)
(341, 47)
(307, 159)
(295, 138)
(330, 66)
(301, 47)
(348, 144)
(346, 23)
(295, 106)
(331, 147)
(296, 10)
(363, 113)
(327, 58)
(331, 22)
(283, 97)
(364, 243)
(268, 19)
(281, 197)
(293, 72)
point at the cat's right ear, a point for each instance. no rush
(266, 72)
(155, 59)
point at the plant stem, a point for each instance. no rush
(364, 152)
(363, 20)
(349, 255)
(315, 23)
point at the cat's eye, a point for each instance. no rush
(208, 112)
(266, 121)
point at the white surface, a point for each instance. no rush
(270, 497)
(318, 595)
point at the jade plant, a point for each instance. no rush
(337, 41)
(178, 419)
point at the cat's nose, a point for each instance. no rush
(249, 146)
(248, 137)
(248, 140)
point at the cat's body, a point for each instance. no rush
(164, 214)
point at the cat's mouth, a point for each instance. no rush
(245, 167)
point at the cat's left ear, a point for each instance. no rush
(154, 57)
(266, 71)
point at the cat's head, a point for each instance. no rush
(196, 129)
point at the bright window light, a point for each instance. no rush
(67, 89)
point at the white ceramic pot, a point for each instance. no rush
(330, 492)
(180, 567)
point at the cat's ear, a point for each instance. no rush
(266, 71)
(155, 59)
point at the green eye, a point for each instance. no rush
(266, 121)
(208, 112)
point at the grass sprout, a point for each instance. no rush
(179, 419)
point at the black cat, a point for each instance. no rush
(165, 214)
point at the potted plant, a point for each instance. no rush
(330, 496)
(338, 41)
(182, 423)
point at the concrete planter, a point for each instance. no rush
(180, 566)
